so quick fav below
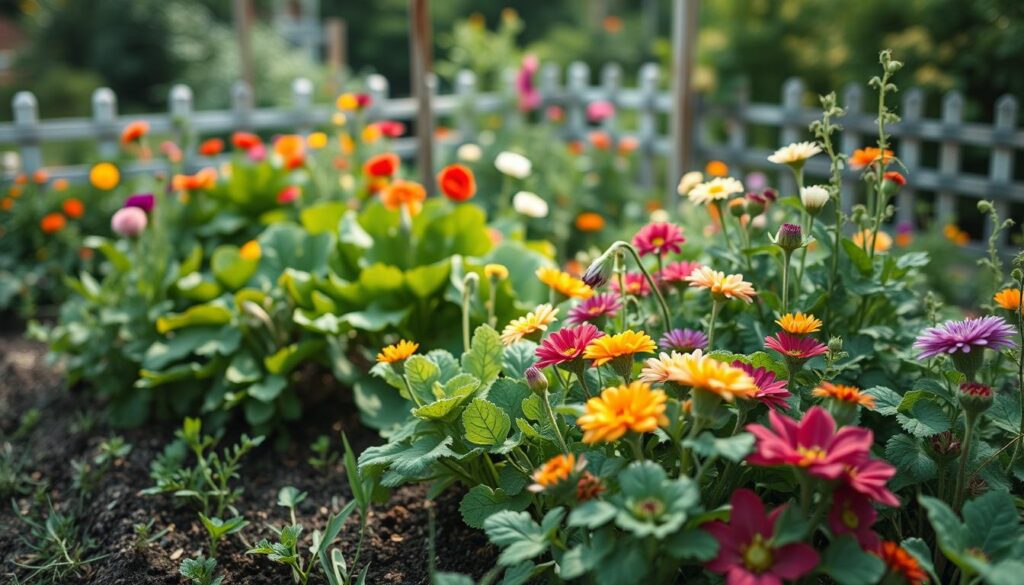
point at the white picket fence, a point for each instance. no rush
(1002, 139)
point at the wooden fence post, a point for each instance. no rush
(465, 88)
(736, 124)
(910, 150)
(576, 102)
(104, 115)
(422, 56)
(1000, 170)
(647, 127)
(242, 105)
(853, 103)
(611, 84)
(949, 155)
(26, 124)
(302, 103)
(792, 102)
(181, 118)
(685, 15)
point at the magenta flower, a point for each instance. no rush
(565, 345)
(795, 347)
(599, 111)
(770, 391)
(144, 201)
(812, 444)
(635, 283)
(869, 477)
(658, 238)
(596, 307)
(963, 336)
(746, 555)
(853, 514)
(676, 272)
(683, 340)
(529, 95)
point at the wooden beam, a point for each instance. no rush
(422, 59)
(243, 26)
(684, 56)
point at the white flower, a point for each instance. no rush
(689, 181)
(660, 216)
(530, 204)
(347, 182)
(814, 198)
(513, 164)
(469, 152)
(795, 153)
(715, 190)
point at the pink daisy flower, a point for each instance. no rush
(658, 238)
(746, 555)
(770, 390)
(635, 284)
(795, 347)
(853, 514)
(812, 444)
(869, 477)
(596, 307)
(565, 345)
(676, 272)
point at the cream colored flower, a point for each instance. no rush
(513, 164)
(814, 197)
(530, 204)
(715, 190)
(469, 152)
(795, 154)
(689, 181)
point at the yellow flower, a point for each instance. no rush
(533, 322)
(620, 409)
(371, 134)
(554, 471)
(496, 271)
(882, 243)
(347, 101)
(316, 140)
(564, 283)
(251, 250)
(842, 393)
(348, 146)
(799, 323)
(104, 176)
(397, 352)
(704, 372)
(1008, 298)
(338, 119)
(722, 287)
(608, 347)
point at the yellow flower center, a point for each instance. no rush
(648, 509)
(715, 189)
(850, 519)
(658, 241)
(810, 455)
(569, 351)
(758, 556)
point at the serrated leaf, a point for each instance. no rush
(481, 502)
(949, 531)
(992, 523)
(925, 418)
(518, 357)
(695, 545)
(519, 536)
(734, 448)
(593, 514)
(485, 423)
(887, 400)
(485, 355)
(909, 457)
(421, 374)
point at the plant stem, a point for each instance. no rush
(1020, 378)
(785, 281)
(635, 441)
(715, 306)
(665, 315)
(803, 258)
(546, 399)
(725, 226)
(965, 454)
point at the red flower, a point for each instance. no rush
(565, 345)
(852, 513)
(635, 283)
(211, 147)
(746, 555)
(869, 477)
(770, 391)
(288, 194)
(812, 444)
(895, 177)
(902, 563)
(658, 238)
(676, 272)
(52, 223)
(390, 128)
(457, 182)
(245, 140)
(73, 208)
(382, 165)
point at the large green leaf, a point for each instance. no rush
(485, 355)
(230, 268)
(323, 217)
(485, 423)
(481, 502)
(848, 564)
(207, 314)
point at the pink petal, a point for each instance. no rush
(794, 560)
(816, 428)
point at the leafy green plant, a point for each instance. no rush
(87, 475)
(143, 534)
(14, 480)
(217, 529)
(58, 548)
(324, 456)
(201, 571)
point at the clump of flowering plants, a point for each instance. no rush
(779, 406)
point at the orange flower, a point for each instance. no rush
(52, 223)
(564, 283)
(6, 203)
(292, 150)
(702, 372)
(600, 140)
(882, 243)
(134, 131)
(575, 148)
(628, 144)
(21, 179)
(211, 147)
(841, 393)
(40, 176)
(799, 323)
(900, 562)
(104, 176)
(716, 168)
(73, 208)
(251, 251)
(956, 235)
(863, 157)
(245, 140)
(457, 182)
(589, 222)
(1008, 298)
(621, 409)
(398, 352)
(722, 287)
(554, 471)
(612, 24)
(204, 179)
(407, 193)
(60, 185)
(371, 133)
(382, 165)
(621, 345)
(15, 191)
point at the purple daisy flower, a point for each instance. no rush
(683, 340)
(963, 336)
(596, 307)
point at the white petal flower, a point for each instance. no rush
(514, 165)
(469, 152)
(715, 190)
(795, 153)
(689, 181)
(530, 204)
(814, 197)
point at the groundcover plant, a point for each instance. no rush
(755, 388)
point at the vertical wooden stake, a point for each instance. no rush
(335, 31)
(243, 26)
(684, 54)
(422, 58)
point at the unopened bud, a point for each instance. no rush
(835, 344)
(600, 270)
(985, 206)
(789, 237)
(536, 380)
(975, 398)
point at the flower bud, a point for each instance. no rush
(600, 270)
(891, 183)
(985, 206)
(943, 447)
(835, 344)
(1017, 274)
(737, 207)
(770, 194)
(129, 222)
(495, 272)
(536, 380)
(756, 204)
(789, 237)
(814, 198)
(975, 398)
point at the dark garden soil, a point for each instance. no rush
(397, 536)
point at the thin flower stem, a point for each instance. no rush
(546, 399)
(665, 315)
(803, 258)
(715, 306)
(965, 454)
(785, 281)
(491, 302)
(725, 226)
(635, 441)
(620, 275)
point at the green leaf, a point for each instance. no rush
(508, 394)
(421, 374)
(268, 389)
(848, 564)
(243, 369)
(426, 281)
(949, 531)
(518, 357)
(993, 524)
(323, 217)
(485, 423)
(887, 400)
(593, 514)
(734, 448)
(519, 536)
(790, 527)
(858, 256)
(230, 268)
(692, 545)
(208, 314)
(117, 258)
(926, 418)
(481, 502)
(291, 356)
(485, 355)
(906, 453)
(290, 496)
